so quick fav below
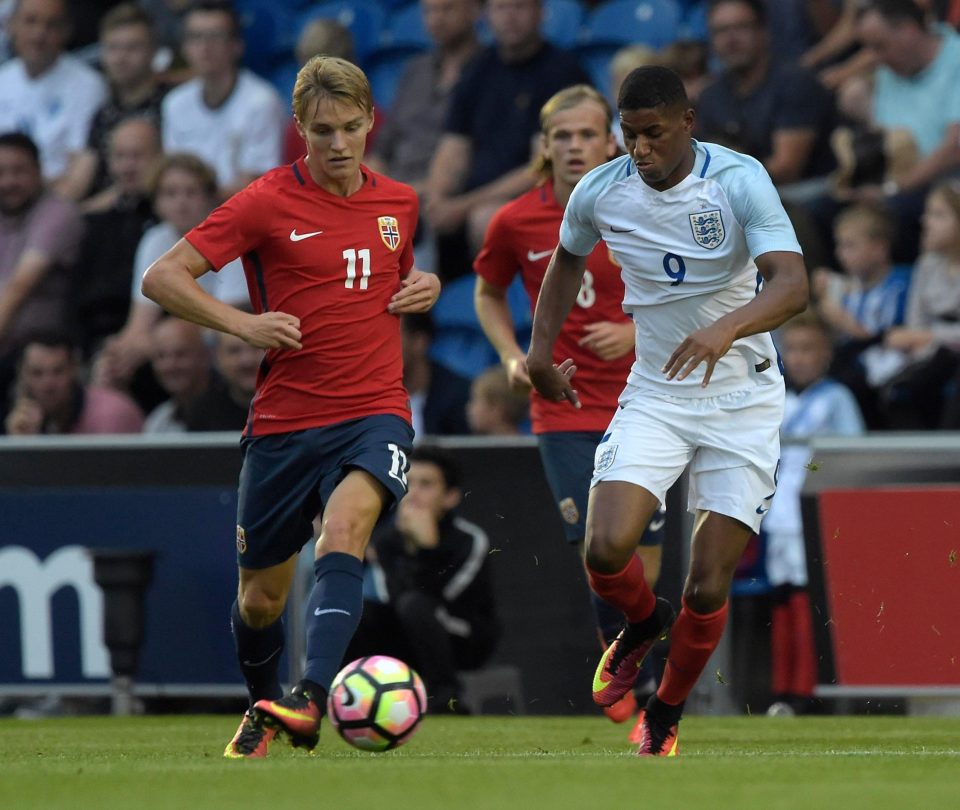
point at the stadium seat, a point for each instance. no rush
(404, 30)
(596, 61)
(384, 73)
(621, 22)
(500, 685)
(269, 33)
(693, 24)
(283, 77)
(562, 20)
(366, 21)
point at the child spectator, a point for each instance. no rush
(815, 406)
(930, 337)
(863, 303)
(494, 407)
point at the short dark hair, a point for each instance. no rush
(896, 11)
(448, 465)
(651, 86)
(758, 7)
(21, 141)
(217, 7)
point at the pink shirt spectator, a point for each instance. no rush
(106, 411)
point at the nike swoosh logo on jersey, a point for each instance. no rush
(535, 257)
(319, 612)
(614, 229)
(296, 237)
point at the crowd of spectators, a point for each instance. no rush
(122, 124)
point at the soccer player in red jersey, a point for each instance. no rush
(327, 250)
(575, 138)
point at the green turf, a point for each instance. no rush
(739, 763)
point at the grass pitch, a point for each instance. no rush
(488, 762)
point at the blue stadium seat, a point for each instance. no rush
(384, 73)
(562, 20)
(693, 24)
(283, 77)
(366, 21)
(269, 33)
(404, 30)
(596, 61)
(621, 22)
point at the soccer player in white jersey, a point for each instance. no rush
(710, 264)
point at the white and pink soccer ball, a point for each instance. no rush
(376, 703)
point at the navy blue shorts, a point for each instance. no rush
(568, 463)
(287, 478)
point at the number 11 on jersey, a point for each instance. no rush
(351, 256)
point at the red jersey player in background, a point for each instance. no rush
(327, 248)
(575, 138)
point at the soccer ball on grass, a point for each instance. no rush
(376, 703)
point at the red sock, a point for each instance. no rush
(626, 590)
(804, 652)
(693, 639)
(781, 648)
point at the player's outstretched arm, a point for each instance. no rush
(557, 294)
(784, 293)
(418, 292)
(171, 281)
(493, 312)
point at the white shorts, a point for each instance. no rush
(731, 442)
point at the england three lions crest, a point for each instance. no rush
(707, 227)
(389, 231)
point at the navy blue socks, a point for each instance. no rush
(333, 613)
(259, 652)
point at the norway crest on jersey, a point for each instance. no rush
(389, 231)
(707, 227)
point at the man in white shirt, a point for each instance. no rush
(46, 93)
(227, 116)
(710, 264)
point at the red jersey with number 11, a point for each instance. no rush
(333, 262)
(521, 239)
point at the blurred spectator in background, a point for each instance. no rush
(770, 109)
(127, 48)
(495, 408)
(915, 89)
(183, 367)
(482, 158)
(227, 115)
(167, 16)
(39, 238)
(184, 191)
(416, 334)
(49, 396)
(688, 58)
(322, 36)
(796, 25)
(862, 302)
(930, 336)
(866, 153)
(115, 221)
(225, 405)
(815, 406)
(44, 92)
(436, 607)
(415, 121)
(407, 141)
